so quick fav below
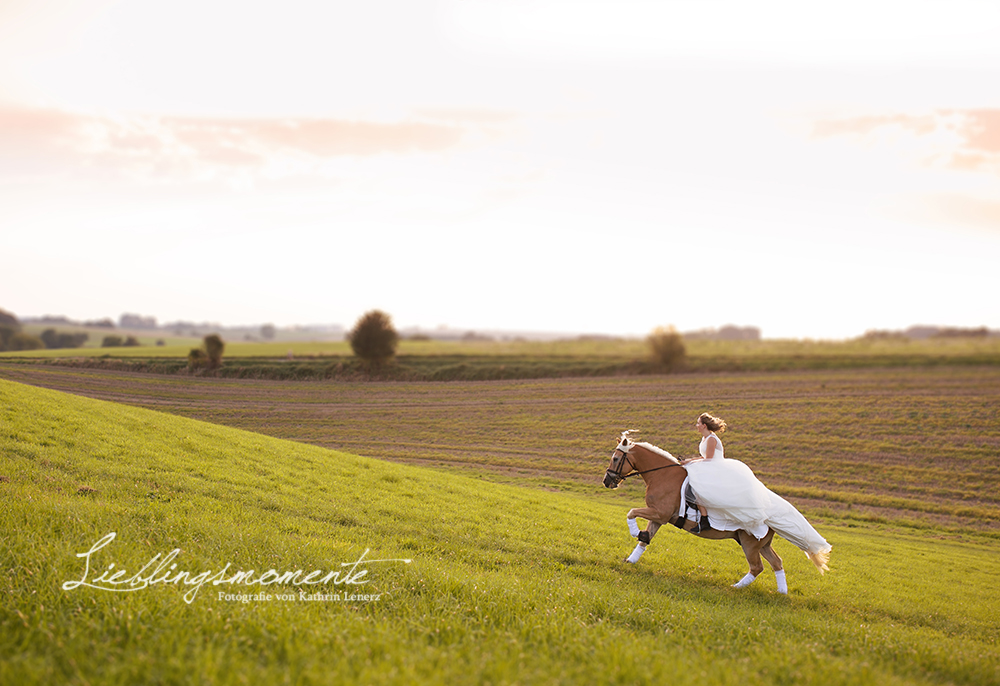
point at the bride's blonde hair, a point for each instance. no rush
(713, 423)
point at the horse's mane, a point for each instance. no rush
(659, 451)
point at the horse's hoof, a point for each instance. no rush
(643, 537)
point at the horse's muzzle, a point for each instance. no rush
(612, 480)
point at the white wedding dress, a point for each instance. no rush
(736, 500)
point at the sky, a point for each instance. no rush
(816, 170)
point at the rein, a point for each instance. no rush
(636, 472)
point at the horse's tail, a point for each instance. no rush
(820, 559)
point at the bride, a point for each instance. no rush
(729, 496)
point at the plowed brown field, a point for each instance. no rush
(920, 445)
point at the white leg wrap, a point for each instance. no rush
(633, 528)
(779, 576)
(745, 581)
(636, 554)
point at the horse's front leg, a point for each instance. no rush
(645, 536)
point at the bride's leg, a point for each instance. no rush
(703, 523)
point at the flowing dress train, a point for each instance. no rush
(736, 500)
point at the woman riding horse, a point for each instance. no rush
(665, 476)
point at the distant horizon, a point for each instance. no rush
(487, 331)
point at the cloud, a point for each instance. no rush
(960, 140)
(467, 114)
(965, 141)
(949, 208)
(34, 141)
(27, 132)
(826, 128)
(316, 137)
(982, 128)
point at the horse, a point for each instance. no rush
(664, 477)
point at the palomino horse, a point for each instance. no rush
(664, 477)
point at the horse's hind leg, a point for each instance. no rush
(775, 561)
(752, 549)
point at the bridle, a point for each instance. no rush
(616, 476)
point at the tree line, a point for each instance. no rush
(374, 339)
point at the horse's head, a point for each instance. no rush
(620, 464)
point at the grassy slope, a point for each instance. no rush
(507, 585)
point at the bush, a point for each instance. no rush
(132, 342)
(374, 338)
(50, 338)
(111, 342)
(214, 347)
(268, 331)
(53, 339)
(22, 341)
(197, 359)
(667, 347)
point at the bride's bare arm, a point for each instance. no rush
(710, 447)
(709, 451)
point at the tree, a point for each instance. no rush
(214, 347)
(136, 321)
(105, 323)
(267, 331)
(111, 342)
(8, 327)
(6, 333)
(8, 319)
(374, 338)
(667, 347)
(72, 340)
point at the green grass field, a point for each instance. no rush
(506, 585)
(615, 348)
(490, 360)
